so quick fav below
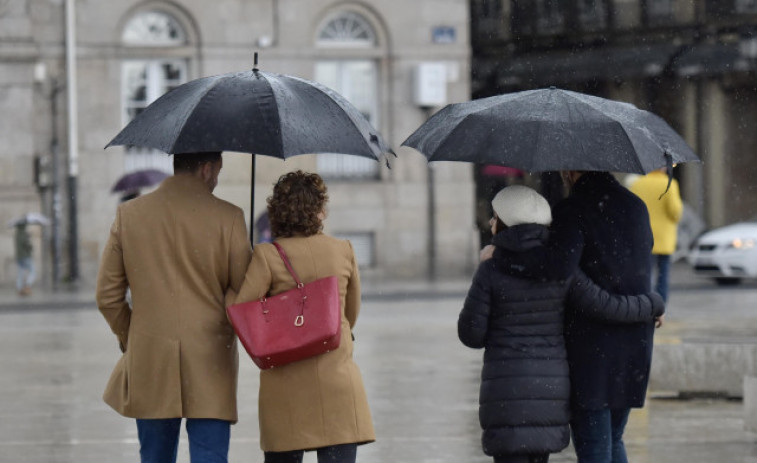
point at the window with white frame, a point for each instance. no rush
(145, 80)
(153, 28)
(357, 80)
(347, 29)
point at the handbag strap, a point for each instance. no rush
(286, 262)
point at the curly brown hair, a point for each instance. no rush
(298, 197)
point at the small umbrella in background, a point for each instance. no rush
(30, 218)
(135, 181)
(551, 129)
(254, 112)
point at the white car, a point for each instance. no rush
(726, 254)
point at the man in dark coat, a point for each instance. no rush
(603, 229)
(24, 260)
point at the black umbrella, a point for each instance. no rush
(134, 181)
(253, 112)
(551, 129)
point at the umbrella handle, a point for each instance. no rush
(669, 167)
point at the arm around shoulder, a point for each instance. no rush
(592, 301)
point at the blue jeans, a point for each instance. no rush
(662, 264)
(208, 440)
(345, 453)
(26, 275)
(598, 435)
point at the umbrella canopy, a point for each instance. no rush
(30, 218)
(551, 129)
(253, 112)
(134, 181)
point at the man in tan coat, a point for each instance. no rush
(179, 250)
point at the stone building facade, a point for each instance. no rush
(126, 53)
(692, 62)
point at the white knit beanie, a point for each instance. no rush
(519, 204)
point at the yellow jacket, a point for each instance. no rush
(664, 213)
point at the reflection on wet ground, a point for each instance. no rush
(422, 385)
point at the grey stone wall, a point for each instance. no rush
(221, 38)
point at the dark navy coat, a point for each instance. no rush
(604, 229)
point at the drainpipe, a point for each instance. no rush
(73, 141)
(431, 212)
(56, 199)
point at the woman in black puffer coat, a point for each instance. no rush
(525, 387)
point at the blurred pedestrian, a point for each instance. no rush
(525, 388)
(602, 229)
(25, 275)
(263, 228)
(180, 250)
(665, 210)
(318, 403)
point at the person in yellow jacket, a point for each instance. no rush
(664, 214)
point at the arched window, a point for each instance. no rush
(347, 29)
(153, 28)
(144, 80)
(353, 76)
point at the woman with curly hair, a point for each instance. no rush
(318, 403)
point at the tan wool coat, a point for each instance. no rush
(319, 401)
(179, 249)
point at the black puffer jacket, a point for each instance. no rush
(525, 386)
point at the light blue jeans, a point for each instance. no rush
(208, 440)
(26, 275)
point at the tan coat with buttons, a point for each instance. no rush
(179, 249)
(320, 401)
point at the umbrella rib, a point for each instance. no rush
(273, 126)
(630, 140)
(615, 120)
(457, 128)
(349, 116)
(354, 124)
(191, 113)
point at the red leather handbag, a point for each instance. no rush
(294, 325)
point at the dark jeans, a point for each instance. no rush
(159, 440)
(598, 435)
(662, 267)
(521, 458)
(345, 453)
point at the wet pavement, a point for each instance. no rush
(56, 353)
